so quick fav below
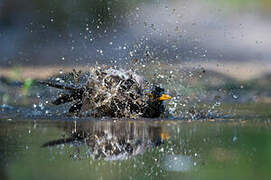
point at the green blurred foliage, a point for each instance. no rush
(27, 86)
(63, 13)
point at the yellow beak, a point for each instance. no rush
(164, 97)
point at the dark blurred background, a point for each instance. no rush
(79, 32)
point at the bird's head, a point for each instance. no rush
(154, 105)
(158, 94)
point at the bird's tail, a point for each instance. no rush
(74, 92)
(69, 87)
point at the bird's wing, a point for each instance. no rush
(75, 92)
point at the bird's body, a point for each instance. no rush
(114, 93)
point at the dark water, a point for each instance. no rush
(42, 148)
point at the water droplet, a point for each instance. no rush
(234, 96)
(234, 139)
(218, 103)
(41, 106)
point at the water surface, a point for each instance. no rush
(43, 148)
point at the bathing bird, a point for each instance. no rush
(109, 92)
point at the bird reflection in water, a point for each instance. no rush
(112, 140)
